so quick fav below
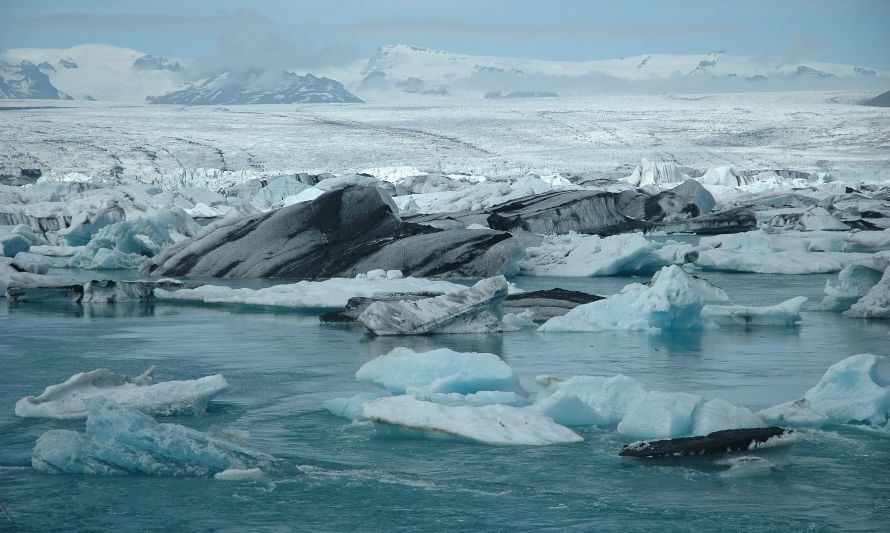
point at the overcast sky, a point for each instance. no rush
(338, 31)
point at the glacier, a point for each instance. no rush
(119, 440)
(70, 400)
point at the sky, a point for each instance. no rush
(336, 32)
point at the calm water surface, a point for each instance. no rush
(335, 476)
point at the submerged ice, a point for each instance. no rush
(119, 440)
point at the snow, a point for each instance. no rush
(855, 390)
(403, 370)
(69, 400)
(578, 255)
(674, 301)
(119, 440)
(471, 310)
(488, 424)
(786, 313)
(328, 294)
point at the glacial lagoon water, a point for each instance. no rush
(332, 475)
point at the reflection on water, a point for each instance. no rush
(85, 310)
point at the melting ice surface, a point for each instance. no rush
(282, 367)
(120, 440)
(69, 399)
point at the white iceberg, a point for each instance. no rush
(622, 403)
(69, 400)
(588, 400)
(471, 310)
(327, 294)
(352, 406)
(875, 303)
(786, 313)
(489, 424)
(404, 371)
(673, 301)
(854, 282)
(119, 440)
(855, 390)
(579, 255)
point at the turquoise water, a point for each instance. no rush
(333, 475)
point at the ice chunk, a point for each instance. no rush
(875, 303)
(472, 310)
(780, 262)
(120, 440)
(239, 474)
(483, 397)
(853, 282)
(69, 399)
(855, 390)
(489, 424)
(588, 400)
(327, 294)
(718, 415)
(786, 313)
(405, 371)
(818, 218)
(12, 244)
(674, 301)
(579, 255)
(351, 407)
(661, 415)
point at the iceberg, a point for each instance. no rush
(577, 255)
(855, 390)
(588, 400)
(471, 310)
(786, 313)
(622, 403)
(488, 424)
(328, 294)
(854, 282)
(69, 400)
(352, 406)
(673, 301)
(875, 303)
(404, 371)
(119, 440)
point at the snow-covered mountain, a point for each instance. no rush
(27, 80)
(100, 72)
(397, 66)
(289, 88)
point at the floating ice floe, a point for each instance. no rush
(327, 294)
(69, 400)
(622, 403)
(13, 274)
(855, 390)
(471, 310)
(119, 440)
(489, 424)
(786, 313)
(875, 303)
(673, 301)
(404, 371)
(815, 252)
(854, 282)
(579, 255)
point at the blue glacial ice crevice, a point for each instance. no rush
(70, 400)
(119, 440)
